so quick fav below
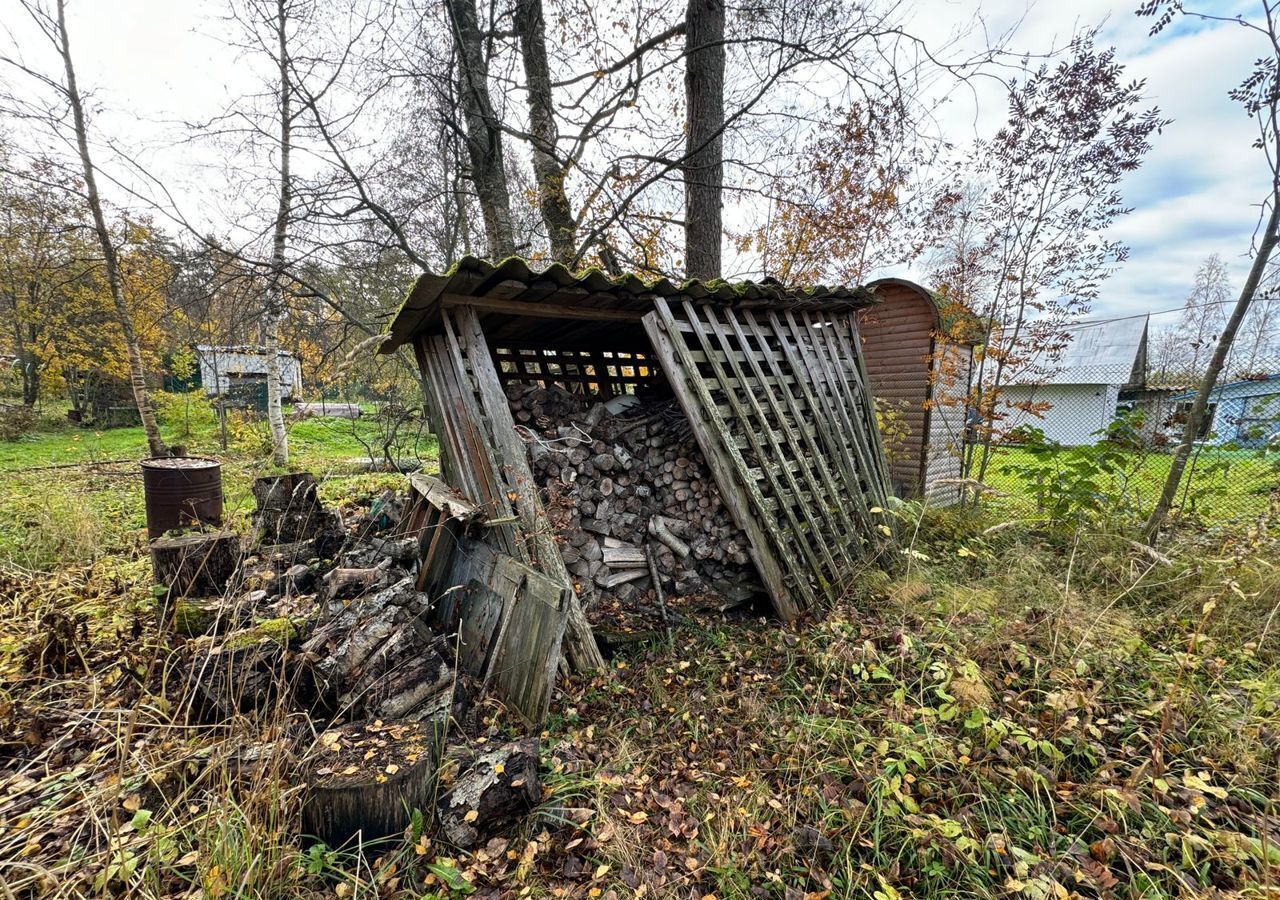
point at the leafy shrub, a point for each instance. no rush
(187, 413)
(15, 421)
(1068, 483)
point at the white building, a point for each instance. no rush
(242, 369)
(1073, 396)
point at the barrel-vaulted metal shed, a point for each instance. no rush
(919, 358)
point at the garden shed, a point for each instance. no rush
(770, 382)
(919, 358)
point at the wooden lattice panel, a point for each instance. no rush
(604, 372)
(779, 404)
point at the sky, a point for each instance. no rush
(152, 64)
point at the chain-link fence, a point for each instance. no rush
(1090, 421)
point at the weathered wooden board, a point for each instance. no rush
(779, 405)
(522, 668)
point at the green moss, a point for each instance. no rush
(274, 631)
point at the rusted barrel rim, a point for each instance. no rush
(179, 462)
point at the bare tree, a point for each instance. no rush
(1203, 316)
(703, 163)
(550, 172)
(483, 128)
(1259, 94)
(53, 25)
(274, 309)
(1050, 180)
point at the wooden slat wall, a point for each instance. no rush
(482, 454)
(779, 405)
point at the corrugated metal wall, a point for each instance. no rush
(897, 338)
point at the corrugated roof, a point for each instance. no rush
(514, 279)
(1219, 389)
(1112, 352)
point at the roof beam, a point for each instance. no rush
(540, 310)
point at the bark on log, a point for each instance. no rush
(366, 780)
(497, 786)
(194, 565)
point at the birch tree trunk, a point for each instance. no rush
(1200, 406)
(548, 173)
(274, 310)
(484, 131)
(703, 166)
(137, 374)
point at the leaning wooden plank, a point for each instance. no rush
(837, 427)
(525, 663)
(837, 389)
(445, 498)
(836, 452)
(687, 385)
(792, 424)
(468, 464)
(581, 648)
(861, 411)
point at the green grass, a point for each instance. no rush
(1223, 485)
(71, 494)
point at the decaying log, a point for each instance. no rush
(343, 584)
(378, 657)
(245, 670)
(496, 788)
(289, 511)
(195, 565)
(366, 780)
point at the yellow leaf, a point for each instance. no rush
(601, 871)
(471, 816)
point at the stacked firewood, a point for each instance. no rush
(630, 495)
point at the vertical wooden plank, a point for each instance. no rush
(722, 458)
(584, 654)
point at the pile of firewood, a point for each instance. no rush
(631, 497)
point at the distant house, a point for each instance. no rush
(1244, 412)
(1077, 394)
(241, 371)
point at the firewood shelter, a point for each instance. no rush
(771, 380)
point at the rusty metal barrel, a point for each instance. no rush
(181, 491)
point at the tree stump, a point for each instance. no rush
(195, 565)
(246, 670)
(367, 779)
(289, 511)
(494, 790)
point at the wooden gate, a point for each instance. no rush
(778, 402)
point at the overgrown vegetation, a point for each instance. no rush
(1012, 713)
(73, 493)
